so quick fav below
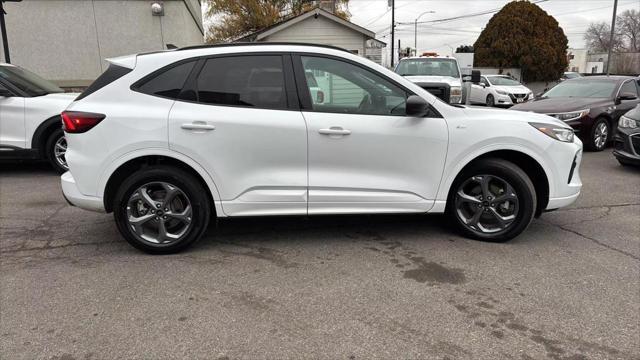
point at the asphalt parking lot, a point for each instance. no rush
(347, 287)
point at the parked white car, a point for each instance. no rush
(499, 90)
(439, 75)
(30, 124)
(166, 140)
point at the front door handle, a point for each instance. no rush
(335, 130)
(198, 126)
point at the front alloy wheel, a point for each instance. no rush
(486, 204)
(600, 135)
(492, 200)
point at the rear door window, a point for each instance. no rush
(251, 80)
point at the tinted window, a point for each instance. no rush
(168, 83)
(113, 73)
(348, 88)
(254, 81)
(629, 87)
(27, 81)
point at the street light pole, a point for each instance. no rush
(613, 28)
(415, 30)
(393, 25)
(3, 29)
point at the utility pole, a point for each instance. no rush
(3, 29)
(415, 30)
(393, 26)
(613, 29)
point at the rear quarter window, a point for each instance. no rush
(113, 73)
(167, 82)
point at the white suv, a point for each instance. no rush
(166, 140)
(30, 126)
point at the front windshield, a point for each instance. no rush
(428, 67)
(27, 81)
(502, 81)
(583, 88)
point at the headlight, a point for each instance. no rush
(530, 96)
(626, 122)
(456, 95)
(500, 92)
(556, 132)
(571, 115)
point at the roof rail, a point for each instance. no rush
(261, 43)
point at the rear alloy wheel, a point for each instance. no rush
(599, 135)
(492, 200)
(56, 151)
(161, 210)
(490, 101)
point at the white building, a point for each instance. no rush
(577, 60)
(67, 40)
(318, 26)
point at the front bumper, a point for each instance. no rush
(626, 146)
(510, 99)
(567, 182)
(76, 198)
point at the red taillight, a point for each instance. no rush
(76, 122)
(320, 97)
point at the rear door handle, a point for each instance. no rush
(335, 130)
(198, 125)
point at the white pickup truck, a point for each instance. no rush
(439, 75)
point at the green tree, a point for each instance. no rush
(464, 49)
(523, 35)
(236, 18)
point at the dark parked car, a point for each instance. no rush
(626, 141)
(591, 105)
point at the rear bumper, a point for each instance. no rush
(76, 198)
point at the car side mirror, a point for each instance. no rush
(475, 76)
(626, 96)
(416, 106)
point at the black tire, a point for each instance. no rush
(192, 189)
(50, 151)
(490, 102)
(591, 141)
(519, 182)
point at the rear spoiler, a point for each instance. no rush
(128, 61)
